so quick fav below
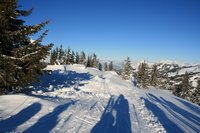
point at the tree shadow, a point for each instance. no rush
(192, 107)
(115, 118)
(59, 79)
(10, 124)
(169, 125)
(179, 113)
(49, 121)
(184, 114)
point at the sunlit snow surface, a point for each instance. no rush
(75, 99)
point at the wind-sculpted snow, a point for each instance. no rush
(75, 99)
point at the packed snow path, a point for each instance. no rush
(75, 99)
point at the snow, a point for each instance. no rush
(78, 99)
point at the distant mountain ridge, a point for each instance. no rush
(169, 70)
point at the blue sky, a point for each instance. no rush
(114, 29)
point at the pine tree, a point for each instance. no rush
(154, 76)
(72, 58)
(142, 75)
(61, 55)
(53, 57)
(196, 98)
(100, 66)
(186, 87)
(127, 69)
(77, 58)
(89, 61)
(83, 58)
(68, 56)
(94, 61)
(110, 66)
(21, 61)
(106, 67)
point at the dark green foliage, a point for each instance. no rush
(184, 89)
(89, 61)
(83, 58)
(127, 69)
(106, 67)
(61, 55)
(72, 58)
(21, 61)
(142, 75)
(196, 98)
(154, 76)
(77, 58)
(69, 56)
(53, 57)
(94, 60)
(110, 66)
(100, 67)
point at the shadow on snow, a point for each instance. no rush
(59, 79)
(116, 117)
(10, 124)
(177, 113)
(46, 123)
(192, 107)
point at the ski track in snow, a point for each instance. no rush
(75, 99)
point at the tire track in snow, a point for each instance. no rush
(137, 118)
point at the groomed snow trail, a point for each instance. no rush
(75, 99)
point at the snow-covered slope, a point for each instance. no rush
(78, 99)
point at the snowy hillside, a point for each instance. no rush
(173, 70)
(75, 99)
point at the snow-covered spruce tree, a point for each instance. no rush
(77, 58)
(94, 61)
(127, 69)
(83, 58)
(154, 76)
(100, 66)
(68, 60)
(186, 92)
(21, 61)
(89, 61)
(72, 58)
(196, 98)
(110, 66)
(53, 57)
(142, 75)
(61, 55)
(106, 67)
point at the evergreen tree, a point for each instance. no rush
(21, 60)
(72, 58)
(154, 76)
(127, 69)
(53, 57)
(196, 98)
(100, 66)
(61, 55)
(142, 75)
(57, 58)
(83, 58)
(185, 91)
(77, 58)
(68, 56)
(89, 61)
(106, 67)
(94, 61)
(110, 66)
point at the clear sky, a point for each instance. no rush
(114, 29)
